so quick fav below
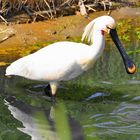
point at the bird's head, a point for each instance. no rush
(104, 24)
(107, 24)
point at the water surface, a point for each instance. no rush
(103, 103)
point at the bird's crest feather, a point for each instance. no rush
(88, 32)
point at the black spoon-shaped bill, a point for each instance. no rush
(129, 65)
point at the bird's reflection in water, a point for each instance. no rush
(40, 123)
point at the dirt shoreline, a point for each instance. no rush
(28, 36)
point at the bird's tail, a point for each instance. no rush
(14, 68)
(9, 71)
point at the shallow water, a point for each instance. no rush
(103, 103)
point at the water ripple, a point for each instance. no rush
(124, 119)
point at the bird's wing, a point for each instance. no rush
(55, 62)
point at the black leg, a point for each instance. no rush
(47, 90)
(53, 98)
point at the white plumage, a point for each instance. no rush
(58, 62)
(63, 61)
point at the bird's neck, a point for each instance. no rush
(98, 43)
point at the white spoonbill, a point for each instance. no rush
(65, 60)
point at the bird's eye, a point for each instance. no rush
(108, 27)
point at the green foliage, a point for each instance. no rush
(124, 29)
(125, 38)
(135, 51)
(138, 34)
(37, 45)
